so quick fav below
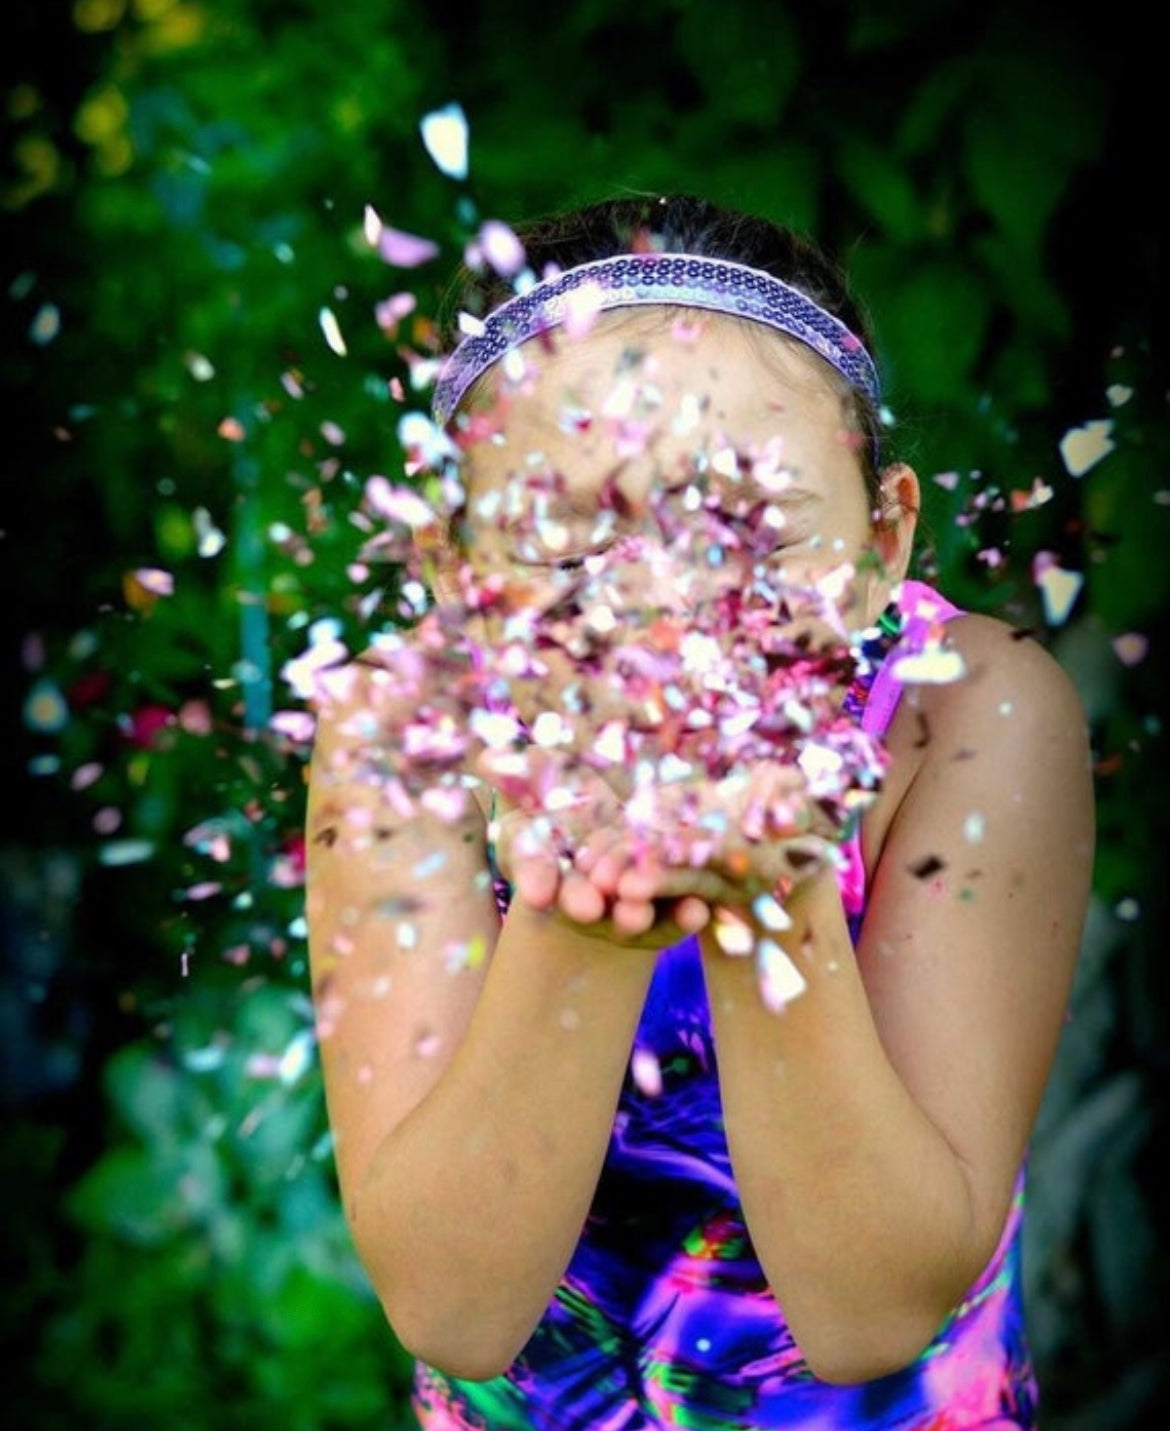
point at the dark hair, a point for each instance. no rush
(680, 223)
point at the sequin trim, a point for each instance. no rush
(630, 280)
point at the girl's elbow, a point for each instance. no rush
(869, 1353)
(442, 1340)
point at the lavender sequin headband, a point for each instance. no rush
(632, 280)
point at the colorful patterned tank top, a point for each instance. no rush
(663, 1318)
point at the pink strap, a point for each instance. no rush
(922, 610)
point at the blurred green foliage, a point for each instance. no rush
(201, 389)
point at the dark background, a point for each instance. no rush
(183, 191)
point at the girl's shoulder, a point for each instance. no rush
(987, 659)
(1003, 705)
(1010, 711)
(1007, 671)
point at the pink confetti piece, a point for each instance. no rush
(155, 581)
(391, 311)
(325, 650)
(646, 1072)
(398, 504)
(202, 890)
(297, 726)
(194, 717)
(86, 775)
(497, 246)
(405, 250)
(1131, 647)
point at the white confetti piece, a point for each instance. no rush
(771, 913)
(646, 1072)
(46, 325)
(780, 981)
(732, 932)
(125, 852)
(331, 331)
(1083, 447)
(935, 666)
(444, 135)
(209, 540)
(1059, 590)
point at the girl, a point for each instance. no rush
(596, 1179)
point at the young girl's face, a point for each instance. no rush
(682, 429)
(589, 431)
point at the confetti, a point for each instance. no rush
(646, 1072)
(444, 136)
(391, 311)
(45, 708)
(1131, 648)
(780, 981)
(936, 665)
(125, 852)
(1037, 496)
(1082, 448)
(209, 540)
(331, 331)
(497, 246)
(46, 324)
(1059, 588)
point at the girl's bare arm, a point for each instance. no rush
(472, 1070)
(878, 1122)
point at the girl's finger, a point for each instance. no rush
(536, 879)
(631, 916)
(691, 914)
(580, 900)
(608, 866)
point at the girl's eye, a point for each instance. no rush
(541, 560)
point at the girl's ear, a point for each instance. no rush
(897, 519)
